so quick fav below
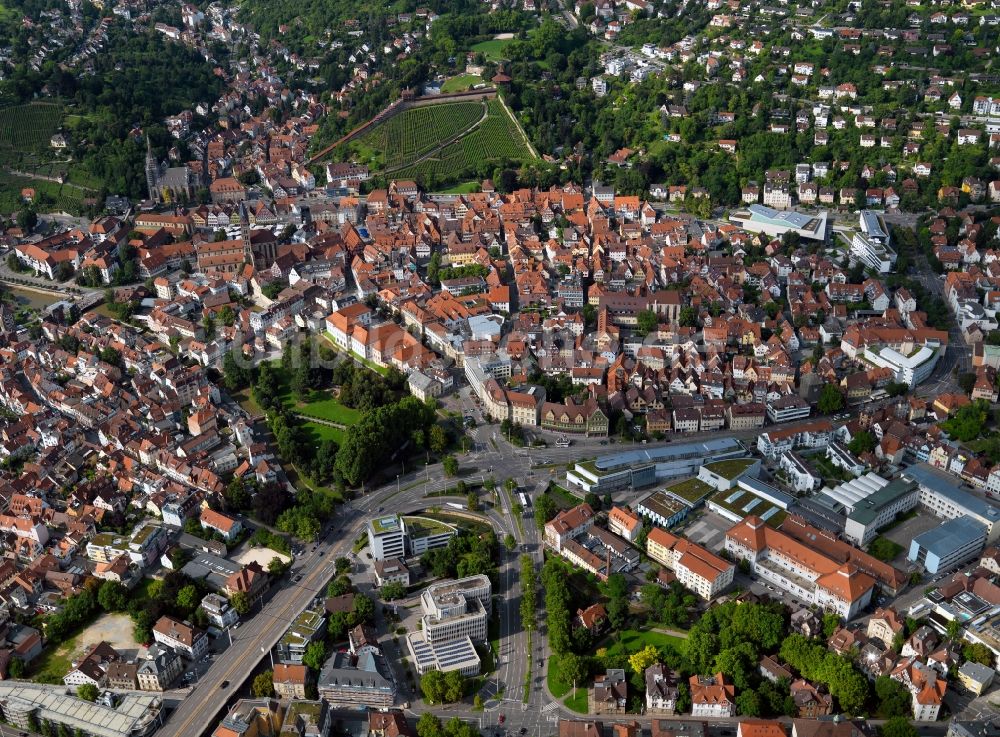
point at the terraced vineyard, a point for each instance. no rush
(418, 131)
(27, 128)
(496, 139)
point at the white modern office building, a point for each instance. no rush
(910, 369)
(455, 617)
(871, 244)
(775, 223)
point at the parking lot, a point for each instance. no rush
(906, 531)
(707, 529)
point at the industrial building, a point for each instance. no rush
(635, 469)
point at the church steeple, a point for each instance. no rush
(152, 172)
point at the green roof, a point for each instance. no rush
(743, 503)
(425, 526)
(385, 524)
(691, 490)
(730, 469)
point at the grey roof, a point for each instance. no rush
(946, 485)
(866, 510)
(977, 672)
(974, 728)
(675, 451)
(132, 714)
(950, 536)
(368, 672)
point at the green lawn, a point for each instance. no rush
(492, 49)
(53, 663)
(323, 406)
(627, 642)
(557, 684)
(884, 549)
(579, 703)
(461, 83)
(463, 188)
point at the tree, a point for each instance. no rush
(646, 322)
(472, 500)
(429, 726)
(830, 624)
(235, 374)
(438, 440)
(898, 727)
(545, 509)
(574, 668)
(27, 219)
(188, 598)
(643, 659)
(392, 591)
(893, 698)
(433, 686)
(16, 668)
(87, 692)
(831, 399)
(978, 653)
(454, 685)
(688, 317)
(240, 602)
(748, 703)
(342, 565)
(450, 466)
(862, 442)
(263, 685)
(112, 596)
(509, 541)
(314, 656)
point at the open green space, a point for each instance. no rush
(627, 642)
(884, 549)
(324, 406)
(463, 188)
(461, 83)
(563, 498)
(493, 49)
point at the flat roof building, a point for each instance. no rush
(940, 493)
(134, 715)
(948, 545)
(775, 223)
(870, 514)
(635, 469)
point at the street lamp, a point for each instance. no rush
(397, 483)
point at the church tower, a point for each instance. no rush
(245, 233)
(152, 173)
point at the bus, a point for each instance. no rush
(563, 442)
(524, 500)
